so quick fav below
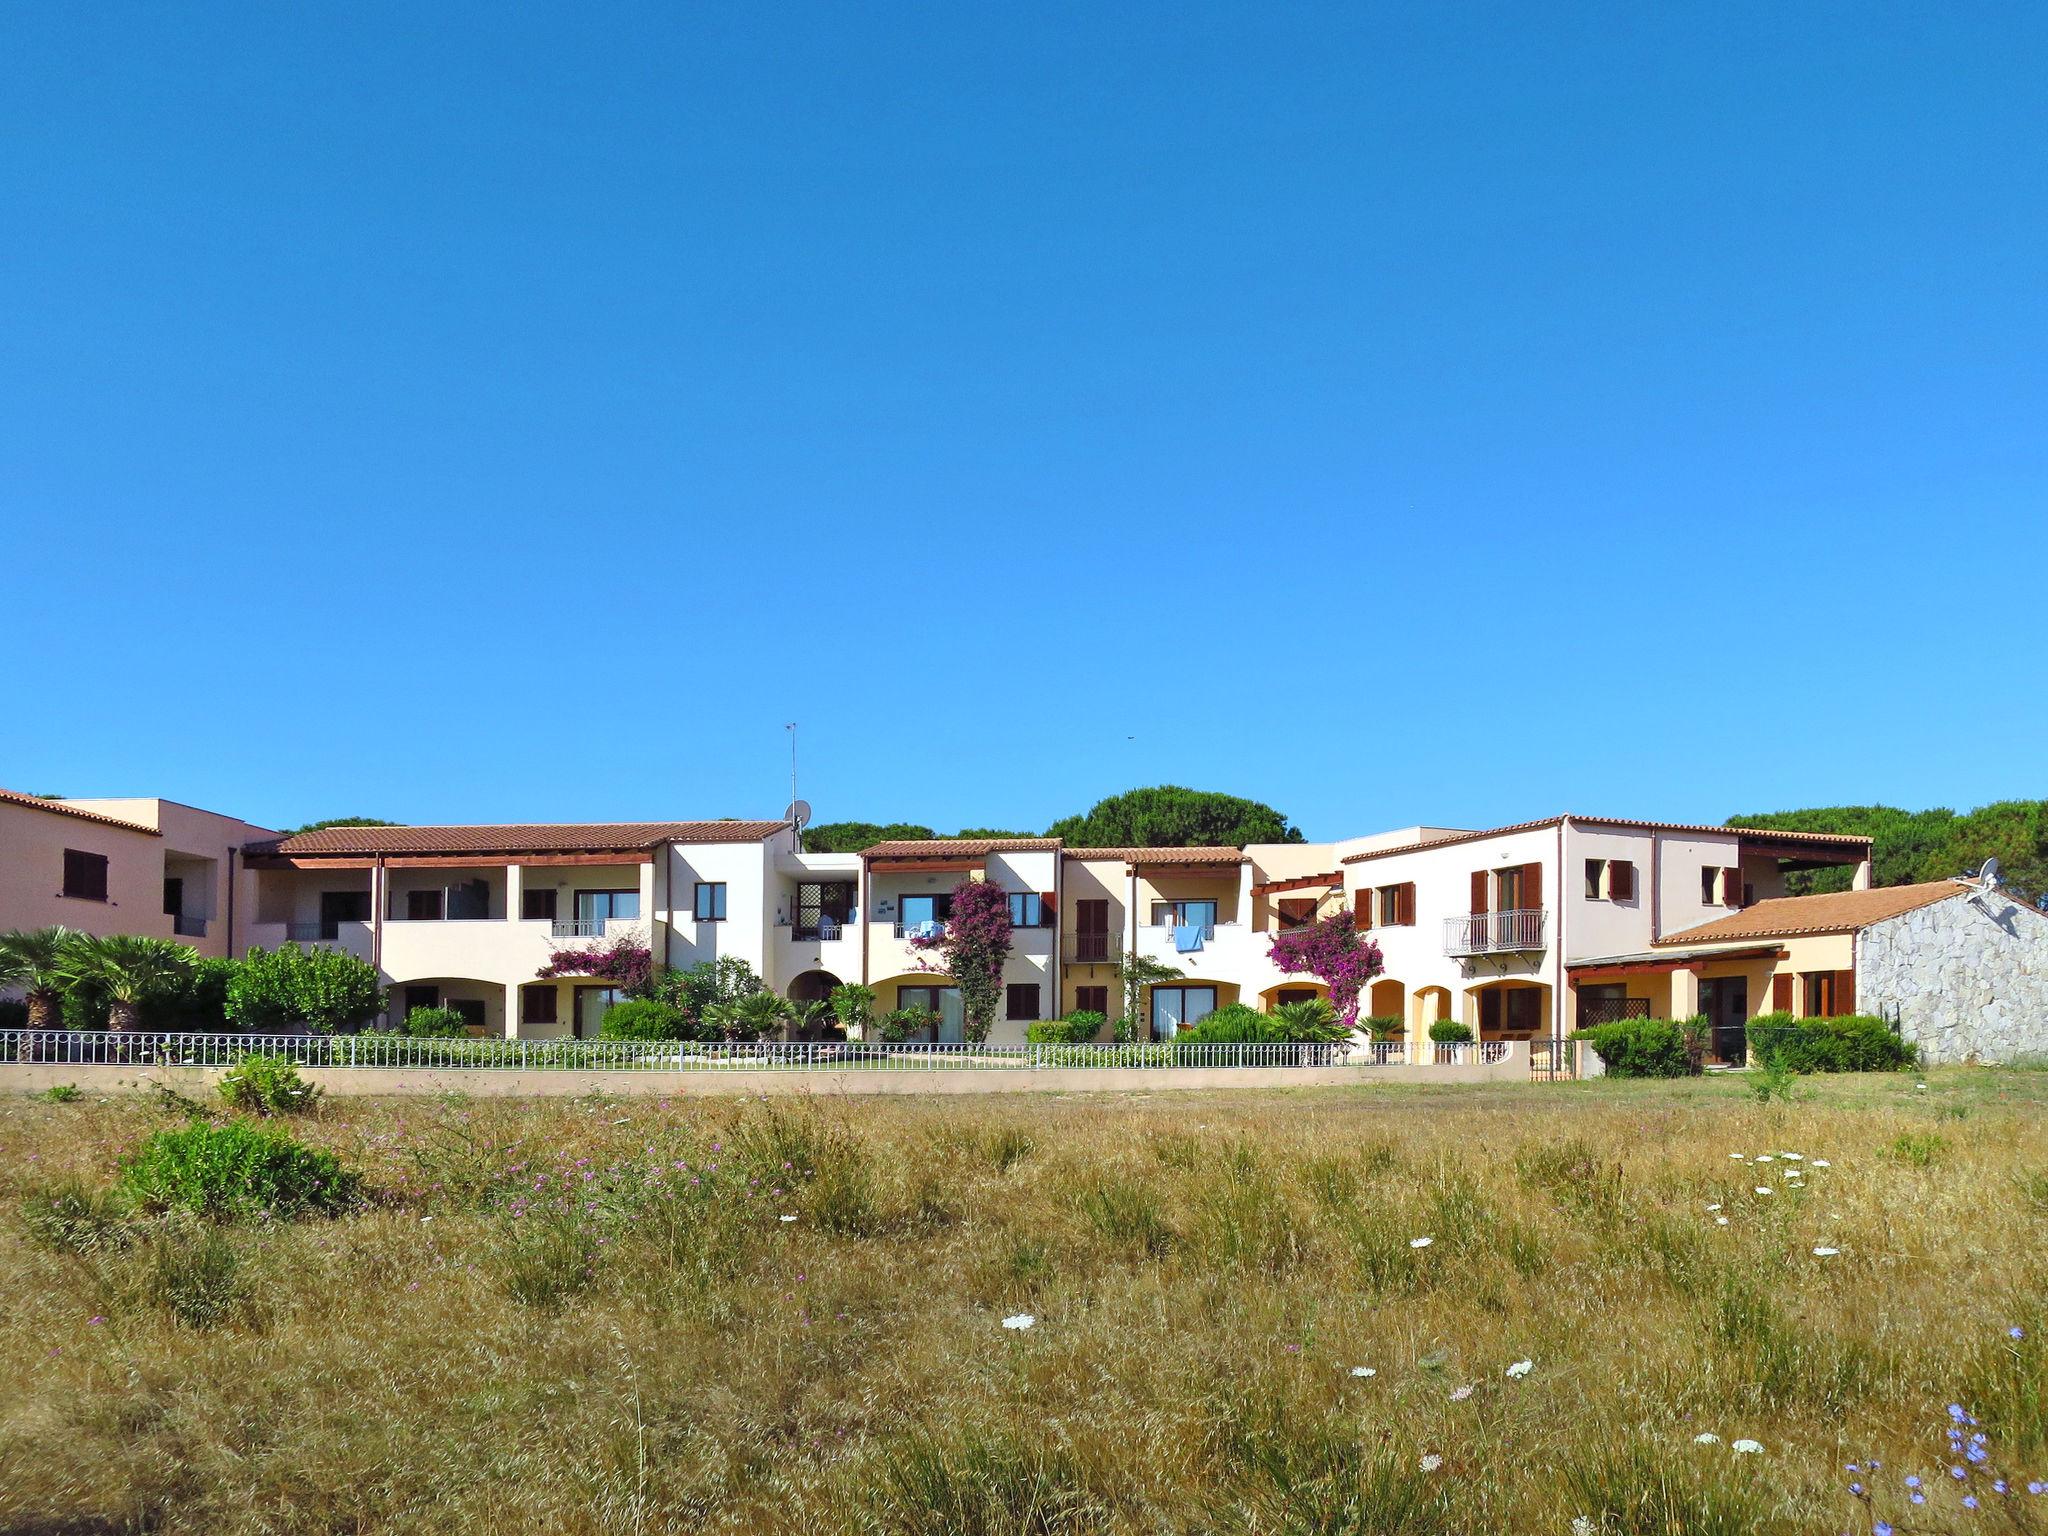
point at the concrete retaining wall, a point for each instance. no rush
(198, 1082)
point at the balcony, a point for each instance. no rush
(580, 927)
(188, 927)
(1515, 932)
(1092, 948)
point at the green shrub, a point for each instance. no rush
(1916, 1149)
(1640, 1048)
(1383, 1026)
(1854, 1043)
(544, 1258)
(1450, 1032)
(435, 1024)
(328, 989)
(61, 1093)
(897, 1026)
(1077, 1028)
(853, 1006)
(645, 1018)
(237, 1169)
(1232, 1024)
(268, 1085)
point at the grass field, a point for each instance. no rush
(583, 1316)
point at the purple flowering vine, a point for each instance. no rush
(624, 960)
(973, 947)
(1335, 953)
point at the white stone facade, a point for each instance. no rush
(1965, 982)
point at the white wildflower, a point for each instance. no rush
(1715, 1206)
(1747, 1447)
(1792, 1157)
(1720, 1221)
(1583, 1526)
(1520, 1369)
(1420, 1242)
(1825, 1252)
(1763, 1189)
(1431, 1462)
(1019, 1321)
(1821, 1162)
(1764, 1157)
(1706, 1437)
(1737, 1156)
(785, 1218)
(1461, 1394)
(1364, 1370)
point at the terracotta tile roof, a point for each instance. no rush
(1162, 855)
(59, 808)
(1836, 912)
(1848, 843)
(959, 847)
(575, 837)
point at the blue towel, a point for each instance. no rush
(1187, 937)
(930, 928)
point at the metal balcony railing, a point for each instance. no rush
(823, 928)
(311, 933)
(1092, 948)
(1495, 933)
(579, 927)
(928, 925)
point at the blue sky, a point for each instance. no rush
(1448, 413)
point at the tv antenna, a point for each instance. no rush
(799, 813)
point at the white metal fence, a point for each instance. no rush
(137, 1049)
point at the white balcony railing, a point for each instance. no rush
(579, 927)
(1495, 933)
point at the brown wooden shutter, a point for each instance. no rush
(1845, 993)
(1731, 887)
(1404, 904)
(1532, 887)
(1479, 877)
(1049, 905)
(1361, 908)
(1621, 881)
(1781, 992)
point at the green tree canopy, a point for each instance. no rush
(341, 821)
(853, 836)
(1910, 846)
(1171, 816)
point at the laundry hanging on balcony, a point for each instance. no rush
(1187, 937)
(930, 928)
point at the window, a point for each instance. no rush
(472, 1011)
(598, 906)
(918, 910)
(1176, 1008)
(945, 1002)
(1296, 911)
(710, 901)
(423, 906)
(469, 900)
(1710, 878)
(1092, 1000)
(1021, 1000)
(85, 875)
(822, 908)
(1621, 881)
(1510, 1012)
(1185, 914)
(1397, 905)
(174, 896)
(538, 1004)
(1828, 994)
(422, 997)
(1596, 870)
(1027, 910)
(1286, 995)
(538, 906)
(1748, 894)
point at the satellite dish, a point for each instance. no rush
(1988, 875)
(799, 814)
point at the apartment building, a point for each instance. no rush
(126, 865)
(1532, 930)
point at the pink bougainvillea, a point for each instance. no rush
(624, 960)
(974, 945)
(1336, 954)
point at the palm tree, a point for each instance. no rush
(749, 1017)
(130, 968)
(38, 960)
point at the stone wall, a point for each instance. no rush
(1964, 983)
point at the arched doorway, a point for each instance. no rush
(1388, 1000)
(1511, 1010)
(1291, 992)
(1427, 1006)
(813, 987)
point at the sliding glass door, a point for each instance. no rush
(1176, 1008)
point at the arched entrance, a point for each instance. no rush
(813, 987)
(1291, 991)
(1388, 1000)
(1427, 1006)
(1511, 1010)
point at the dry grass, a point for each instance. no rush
(471, 1353)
